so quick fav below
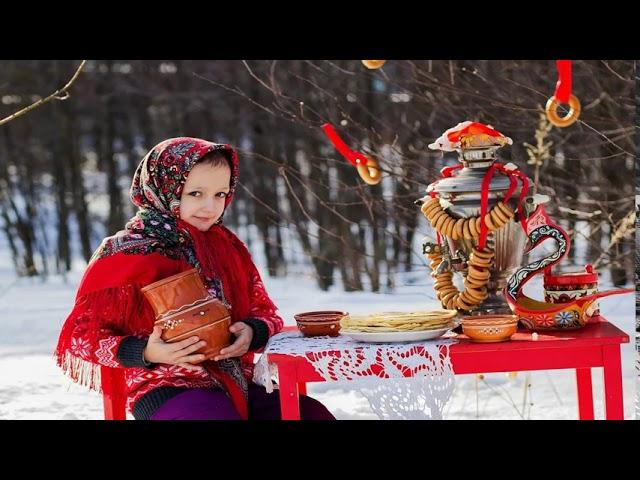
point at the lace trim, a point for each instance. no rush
(400, 380)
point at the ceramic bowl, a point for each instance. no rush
(318, 323)
(489, 328)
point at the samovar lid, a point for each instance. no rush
(476, 145)
(469, 180)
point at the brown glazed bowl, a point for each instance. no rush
(319, 323)
(489, 328)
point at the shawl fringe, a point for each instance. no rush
(96, 315)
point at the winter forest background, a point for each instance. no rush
(65, 168)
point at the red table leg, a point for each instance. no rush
(585, 394)
(302, 388)
(614, 406)
(289, 400)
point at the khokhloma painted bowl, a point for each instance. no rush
(489, 328)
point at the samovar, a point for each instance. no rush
(460, 197)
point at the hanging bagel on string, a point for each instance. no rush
(563, 95)
(367, 167)
(469, 228)
(475, 283)
(373, 64)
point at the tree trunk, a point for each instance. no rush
(115, 219)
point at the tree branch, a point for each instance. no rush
(60, 94)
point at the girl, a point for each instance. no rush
(181, 188)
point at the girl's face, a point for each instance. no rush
(204, 193)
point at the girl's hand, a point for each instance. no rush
(244, 335)
(179, 353)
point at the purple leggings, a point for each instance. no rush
(208, 404)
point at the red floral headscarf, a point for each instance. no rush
(221, 257)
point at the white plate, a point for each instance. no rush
(392, 337)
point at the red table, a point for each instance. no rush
(595, 345)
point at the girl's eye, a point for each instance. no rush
(221, 195)
(195, 194)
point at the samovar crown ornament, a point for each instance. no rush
(470, 135)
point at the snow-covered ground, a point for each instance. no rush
(32, 387)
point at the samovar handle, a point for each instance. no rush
(538, 227)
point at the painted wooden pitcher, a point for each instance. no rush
(539, 315)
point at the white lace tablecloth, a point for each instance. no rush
(377, 370)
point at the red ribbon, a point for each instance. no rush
(513, 174)
(513, 183)
(563, 87)
(484, 204)
(484, 197)
(523, 193)
(355, 158)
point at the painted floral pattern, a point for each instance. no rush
(567, 319)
